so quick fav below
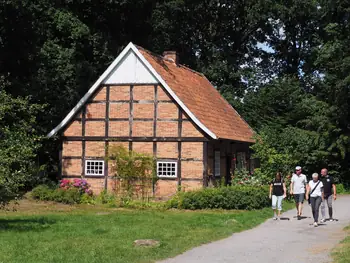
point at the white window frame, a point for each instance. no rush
(167, 163)
(217, 163)
(95, 174)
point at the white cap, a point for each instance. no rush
(298, 168)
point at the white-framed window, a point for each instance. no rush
(95, 167)
(166, 169)
(217, 163)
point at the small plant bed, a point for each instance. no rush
(341, 253)
(44, 232)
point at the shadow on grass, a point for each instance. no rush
(23, 225)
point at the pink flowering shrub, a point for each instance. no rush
(80, 184)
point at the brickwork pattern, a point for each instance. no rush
(167, 111)
(191, 169)
(94, 149)
(119, 110)
(188, 130)
(162, 95)
(74, 129)
(143, 110)
(101, 94)
(167, 129)
(143, 147)
(119, 93)
(95, 128)
(97, 184)
(143, 92)
(193, 150)
(167, 150)
(118, 128)
(142, 128)
(191, 185)
(96, 110)
(72, 148)
(71, 167)
(165, 188)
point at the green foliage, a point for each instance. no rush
(66, 196)
(134, 172)
(19, 143)
(243, 177)
(231, 197)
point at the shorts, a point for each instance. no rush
(299, 198)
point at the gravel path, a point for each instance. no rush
(285, 241)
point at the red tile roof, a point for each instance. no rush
(202, 99)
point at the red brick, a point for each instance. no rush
(74, 129)
(72, 148)
(167, 150)
(166, 188)
(119, 110)
(96, 110)
(97, 184)
(143, 92)
(101, 94)
(191, 185)
(119, 93)
(168, 111)
(143, 147)
(71, 167)
(162, 95)
(167, 129)
(118, 128)
(188, 130)
(142, 110)
(191, 169)
(95, 128)
(193, 150)
(94, 149)
(142, 129)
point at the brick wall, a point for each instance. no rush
(73, 148)
(192, 169)
(94, 149)
(96, 110)
(119, 110)
(143, 110)
(188, 130)
(143, 92)
(142, 128)
(74, 129)
(191, 185)
(167, 128)
(193, 150)
(119, 93)
(167, 150)
(95, 128)
(143, 147)
(168, 111)
(165, 188)
(71, 167)
(100, 94)
(118, 128)
(97, 184)
(162, 95)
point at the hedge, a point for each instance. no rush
(45, 193)
(229, 197)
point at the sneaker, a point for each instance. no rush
(331, 220)
(275, 218)
(323, 220)
(315, 224)
(299, 217)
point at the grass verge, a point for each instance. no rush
(45, 232)
(341, 253)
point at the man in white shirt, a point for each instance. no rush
(298, 189)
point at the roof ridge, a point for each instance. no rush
(162, 57)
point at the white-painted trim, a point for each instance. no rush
(97, 161)
(105, 74)
(167, 176)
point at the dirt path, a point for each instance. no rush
(285, 241)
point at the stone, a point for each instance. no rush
(146, 243)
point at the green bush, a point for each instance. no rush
(67, 196)
(230, 197)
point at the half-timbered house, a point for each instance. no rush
(152, 104)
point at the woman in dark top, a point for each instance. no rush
(277, 193)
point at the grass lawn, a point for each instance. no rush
(47, 232)
(342, 252)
